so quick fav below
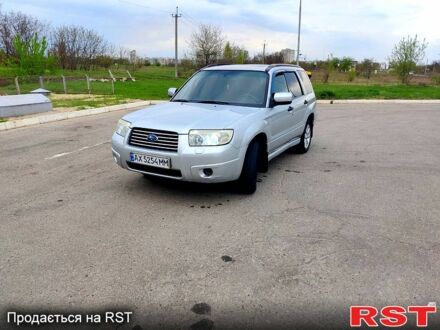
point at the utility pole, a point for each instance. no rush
(176, 16)
(299, 33)
(264, 52)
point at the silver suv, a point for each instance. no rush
(224, 124)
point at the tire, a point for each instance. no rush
(247, 183)
(306, 139)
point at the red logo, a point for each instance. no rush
(389, 316)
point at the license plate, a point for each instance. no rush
(150, 160)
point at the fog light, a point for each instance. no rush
(207, 171)
(115, 159)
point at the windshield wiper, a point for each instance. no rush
(213, 102)
(180, 100)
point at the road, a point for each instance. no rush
(354, 221)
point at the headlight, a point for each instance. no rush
(210, 137)
(123, 127)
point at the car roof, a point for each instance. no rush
(250, 67)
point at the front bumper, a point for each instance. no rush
(225, 161)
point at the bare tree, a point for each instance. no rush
(77, 47)
(207, 44)
(274, 58)
(16, 24)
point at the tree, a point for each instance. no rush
(334, 63)
(367, 67)
(242, 56)
(330, 65)
(227, 53)
(104, 61)
(235, 54)
(31, 55)
(346, 64)
(77, 47)
(2, 57)
(405, 56)
(274, 58)
(16, 24)
(207, 44)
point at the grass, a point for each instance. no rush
(384, 92)
(153, 82)
(3, 120)
(86, 102)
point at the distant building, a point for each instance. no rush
(288, 55)
(161, 60)
(133, 57)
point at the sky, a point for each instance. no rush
(355, 28)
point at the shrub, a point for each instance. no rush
(351, 75)
(436, 80)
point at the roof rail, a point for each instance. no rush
(214, 64)
(270, 67)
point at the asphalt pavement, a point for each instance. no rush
(356, 221)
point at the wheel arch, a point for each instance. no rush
(311, 119)
(263, 159)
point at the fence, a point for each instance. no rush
(57, 84)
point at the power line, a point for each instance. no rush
(190, 24)
(190, 18)
(142, 5)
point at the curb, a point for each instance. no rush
(47, 118)
(378, 102)
(137, 105)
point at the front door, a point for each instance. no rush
(280, 117)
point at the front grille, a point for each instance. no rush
(154, 170)
(167, 141)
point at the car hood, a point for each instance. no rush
(181, 117)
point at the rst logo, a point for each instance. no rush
(390, 316)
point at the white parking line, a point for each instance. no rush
(75, 151)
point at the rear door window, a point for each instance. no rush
(294, 85)
(308, 88)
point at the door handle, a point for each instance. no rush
(306, 102)
(290, 109)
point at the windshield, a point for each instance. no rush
(245, 88)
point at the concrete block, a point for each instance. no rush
(19, 105)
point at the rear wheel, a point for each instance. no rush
(306, 139)
(247, 183)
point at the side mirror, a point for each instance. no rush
(172, 91)
(283, 98)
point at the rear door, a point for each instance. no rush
(279, 116)
(309, 94)
(299, 103)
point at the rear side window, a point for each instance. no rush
(279, 84)
(308, 88)
(294, 86)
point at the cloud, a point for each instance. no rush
(363, 28)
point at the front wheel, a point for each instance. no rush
(306, 139)
(247, 183)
